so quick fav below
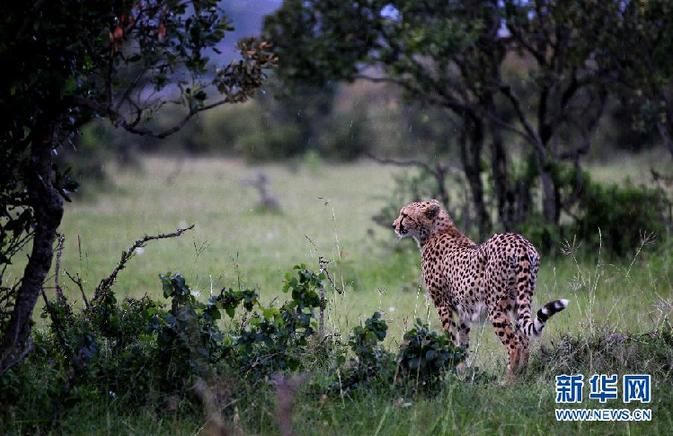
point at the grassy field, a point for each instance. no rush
(326, 211)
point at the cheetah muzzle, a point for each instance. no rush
(464, 278)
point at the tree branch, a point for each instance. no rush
(530, 132)
(57, 268)
(107, 282)
(401, 163)
(78, 281)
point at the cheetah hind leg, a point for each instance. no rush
(503, 329)
(524, 351)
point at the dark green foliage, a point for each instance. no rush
(372, 363)
(364, 338)
(616, 218)
(636, 49)
(426, 355)
(277, 339)
(606, 349)
(66, 63)
(138, 352)
(625, 214)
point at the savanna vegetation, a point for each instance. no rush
(250, 192)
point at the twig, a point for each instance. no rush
(107, 282)
(78, 281)
(439, 171)
(412, 163)
(57, 267)
(322, 262)
(57, 326)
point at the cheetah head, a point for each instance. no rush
(417, 219)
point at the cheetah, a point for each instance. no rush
(466, 279)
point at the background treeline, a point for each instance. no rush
(505, 100)
(341, 122)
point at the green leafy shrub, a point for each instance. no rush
(278, 142)
(546, 237)
(276, 339)
(623, 213)
(141, 352)
(615, 217)
(425, 356)
(407, 186)
(371, 362)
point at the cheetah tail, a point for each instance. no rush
(546, 312)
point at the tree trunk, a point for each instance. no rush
(666, 133)
(504, 195)
(471, 145)
(522, 200)
(551, 204)
(442, 193)
(48, 208)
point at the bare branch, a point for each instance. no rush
(530, 132)
(414, 163)
(78, 281)
(107, 282)
(131, 126)
(57, 267)
(401, 163)
(439, 172)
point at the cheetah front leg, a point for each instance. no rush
(448, 324)
(463, 341)
(460, 334)
(464, 334)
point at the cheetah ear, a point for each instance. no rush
(432, 210)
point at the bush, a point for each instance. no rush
(407, 186)
(371, 362)
(425, 356)
(607, 349)
(277, 142)
(277, 339)
(139, 352)
(624, 214)
(615, 217)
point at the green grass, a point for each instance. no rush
(326, 211)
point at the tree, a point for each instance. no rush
(636, 49)
(406, 43)
(512, 72)
(68, 62)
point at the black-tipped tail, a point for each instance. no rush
(546, 312)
